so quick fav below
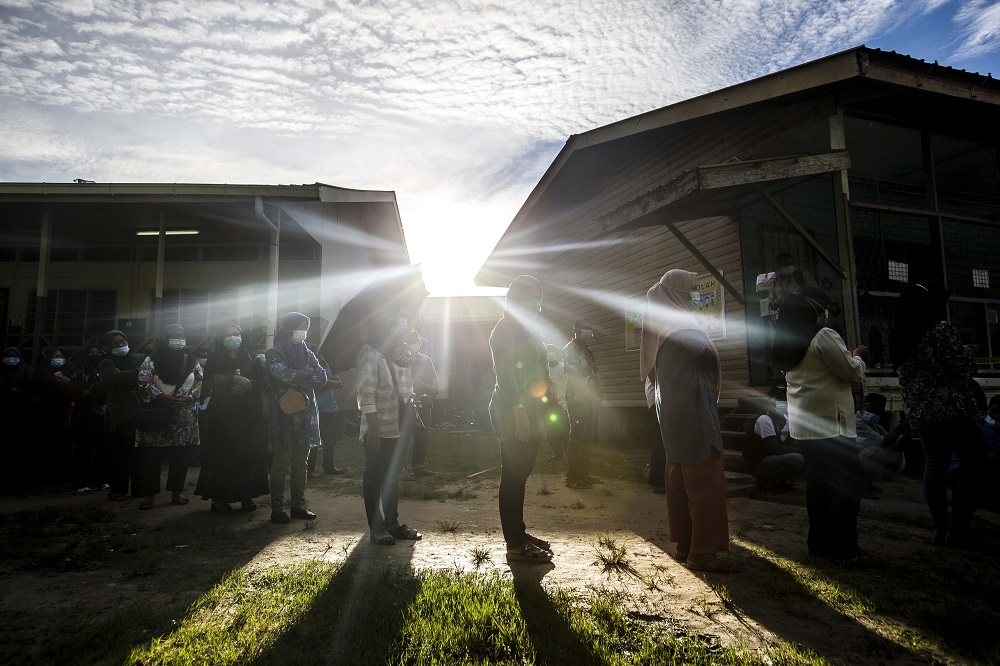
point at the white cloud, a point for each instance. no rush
(979, 21)
(464, 100)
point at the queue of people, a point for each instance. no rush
(261, 418)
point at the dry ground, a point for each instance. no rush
(780, 595)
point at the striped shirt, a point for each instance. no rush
(377, 393)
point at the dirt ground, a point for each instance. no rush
(761, 605)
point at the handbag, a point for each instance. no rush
(292, 402)
(154, 416)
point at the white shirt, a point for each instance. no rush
(764, 427)
(820, 403)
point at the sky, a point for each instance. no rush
(458, 107)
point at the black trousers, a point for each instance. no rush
(834, 487)
(151, 463)
(380, 484)
(123, 463)
(582, 435)
(517, 459)
(331, 430)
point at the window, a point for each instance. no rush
(980, 278)
(899, 271)
(199, 311)
(74, 311)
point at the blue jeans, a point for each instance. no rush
(834, 486)
(964, 438)
(774, 470)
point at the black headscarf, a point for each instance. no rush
(295, 353)
(88, 376)
(167, 361)
(219, 361)
(798, 323)
(124, 362)
(921, 307)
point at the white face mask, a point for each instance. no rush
(177, 343)
(11, 360)
(587, 334)
(232, 342)
(401, 325)
(120, 351)
(788, 270)
(300, 336)
(57, 362)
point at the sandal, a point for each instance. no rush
(382, 538)
(541, 543)
(711, 564)
(529, 552)
(405, 532)
(681, 556)
(179, 500)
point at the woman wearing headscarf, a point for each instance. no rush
(234, 449)
(292, 368)
(682, 362)
(935, 375)
(171, 378)
(86, 423)
(120, 376)
(16, 387)
(52, 385)
(819, 371)
(517, 411)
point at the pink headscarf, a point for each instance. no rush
(666, 313)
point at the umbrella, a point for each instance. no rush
(387, 291)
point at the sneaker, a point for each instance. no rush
(86, 490)
(423, 471)
(105, 487)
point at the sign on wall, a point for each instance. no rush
(711, 313)
(634, 307)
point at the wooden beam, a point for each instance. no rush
(705, 262)
(714, 176)
(802, 232)
(718, 176)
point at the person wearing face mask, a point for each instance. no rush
(556, 421)
(330, 429)
(517, 410)
(676, 354)
(120, 377)
(291, 367)
(52, 377)
(16, 389)
(880, 454)
(424, 391)
(771, 455)
(789, 277)
(819, 371)
(583, 402)
(170, 377)
(234, 450)
(86, 424)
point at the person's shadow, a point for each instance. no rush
(550, 633)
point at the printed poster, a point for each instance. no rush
(711, 313)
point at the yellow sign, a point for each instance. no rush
(711, 311)
(634, 309)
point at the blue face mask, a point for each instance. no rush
(869, 418)
(989, 421)
(401, 324)
(232, 342)
(11, 360)
(57, 362)
(120, 351)
(177, 344)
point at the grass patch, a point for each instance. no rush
(480, 556)
(612, 557)
(448, 526)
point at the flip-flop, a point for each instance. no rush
(529, 552)
(541, 543)
(382, 538)
(405, 532)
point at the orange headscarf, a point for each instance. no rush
(667, 312)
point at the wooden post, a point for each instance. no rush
(161, 245)
(845, 239)
(41, 288)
